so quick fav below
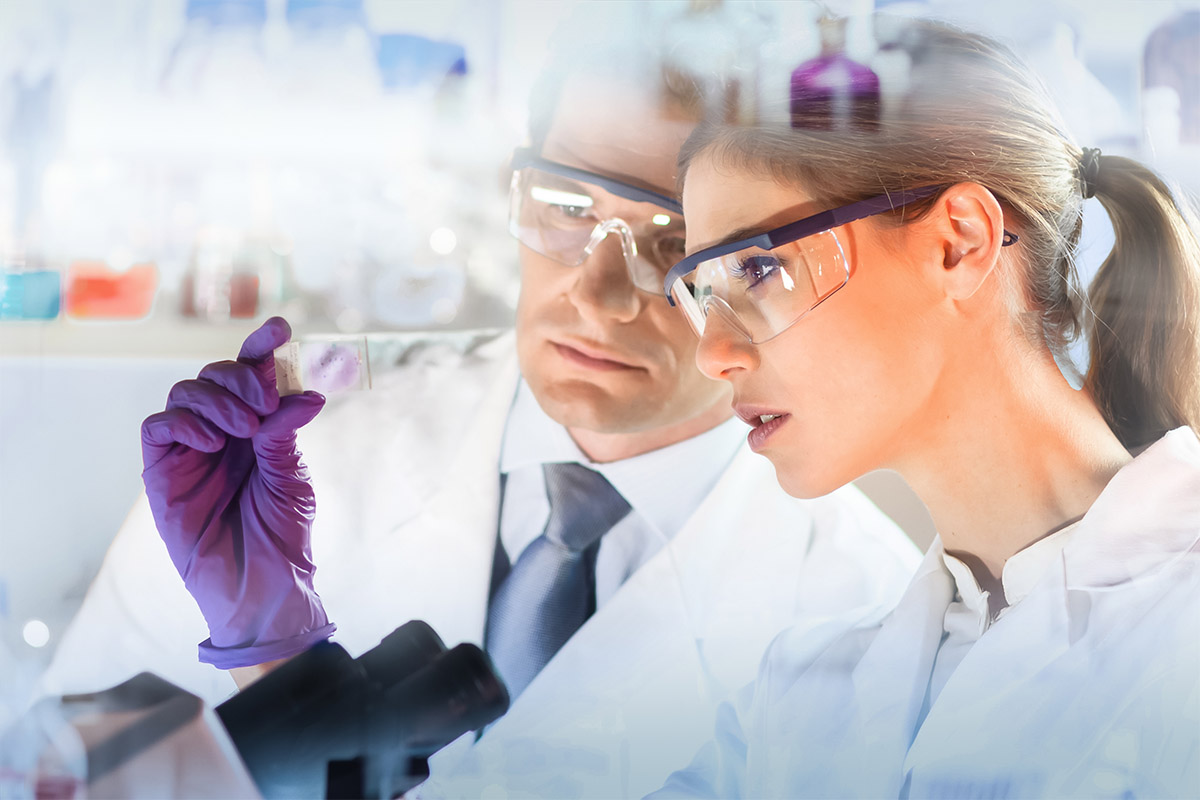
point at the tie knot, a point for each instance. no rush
(583, 505)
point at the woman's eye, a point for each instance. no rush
(756, 269)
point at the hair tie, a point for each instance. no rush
(1089, 171)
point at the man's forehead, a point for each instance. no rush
(617, 129)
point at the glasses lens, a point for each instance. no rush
(564, 219)
(660, 241)
(552, 215)
(767, 290)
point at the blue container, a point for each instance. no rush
(325, 13)
(29, 295)
(228, 12)
(407, 61)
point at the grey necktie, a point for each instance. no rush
(550, 591)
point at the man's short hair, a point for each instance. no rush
(614, 43)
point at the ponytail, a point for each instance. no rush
(1144, 372)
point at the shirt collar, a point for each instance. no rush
(664, 486)
(1020, 575)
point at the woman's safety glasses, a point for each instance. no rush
(764, 284)
(565, 213)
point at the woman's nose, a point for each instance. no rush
(725, 349)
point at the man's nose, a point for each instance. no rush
(724, 347)
(602, 289)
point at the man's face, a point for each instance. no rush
(598, 353)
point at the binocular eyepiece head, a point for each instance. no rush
(371, 721)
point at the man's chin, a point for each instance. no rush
(580, 404)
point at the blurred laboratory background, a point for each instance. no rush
(172, 172)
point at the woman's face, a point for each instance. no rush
(853, 381)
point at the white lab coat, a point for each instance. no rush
(1089, 687)
(407, 486)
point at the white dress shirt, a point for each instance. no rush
(663, 487)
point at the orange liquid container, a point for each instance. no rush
(96, 291)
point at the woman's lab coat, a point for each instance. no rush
(1089, 687)
(407, 487)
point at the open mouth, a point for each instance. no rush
(763, 422)
(762, 433)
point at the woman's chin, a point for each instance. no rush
(805, 484)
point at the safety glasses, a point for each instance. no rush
(764, 284)
(564, 213)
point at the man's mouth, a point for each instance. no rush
(591, 356)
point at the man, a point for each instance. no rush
(432, 488)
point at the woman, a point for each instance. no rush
(901, 298)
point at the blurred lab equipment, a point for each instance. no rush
(831, 90)
(28, 290)
(331, 52)
(322, 725)
(219, 70)
(361, 727)
(1171, 80)
(220, 46)
(409, 61)
(230, 276)
(96, 291)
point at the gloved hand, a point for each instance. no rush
(234, 504)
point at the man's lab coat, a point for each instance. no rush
(407, 486)
(1089, 687)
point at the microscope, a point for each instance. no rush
(322, 725)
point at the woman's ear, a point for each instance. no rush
(969, 225)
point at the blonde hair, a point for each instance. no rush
(973, 113)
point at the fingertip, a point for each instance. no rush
(279, 326)
(263, 341)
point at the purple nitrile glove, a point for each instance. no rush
(234, 504)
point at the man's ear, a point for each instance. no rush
(969, 225)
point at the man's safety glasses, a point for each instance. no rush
(764, 284)
(564, 213)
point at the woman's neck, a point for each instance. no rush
(1008, 456)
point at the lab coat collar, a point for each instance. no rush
(1107, 549)
(1158, 491)
(989, 669)
(458, 522)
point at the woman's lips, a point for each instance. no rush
(763, 422)
(760, 434)
(591, 359)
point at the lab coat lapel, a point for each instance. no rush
(977, 693)
(600, 704)
(446, 549)
(892, 675)
(654, 609)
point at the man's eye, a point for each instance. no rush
(574, 212)
(671, 249)
(561, 202)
